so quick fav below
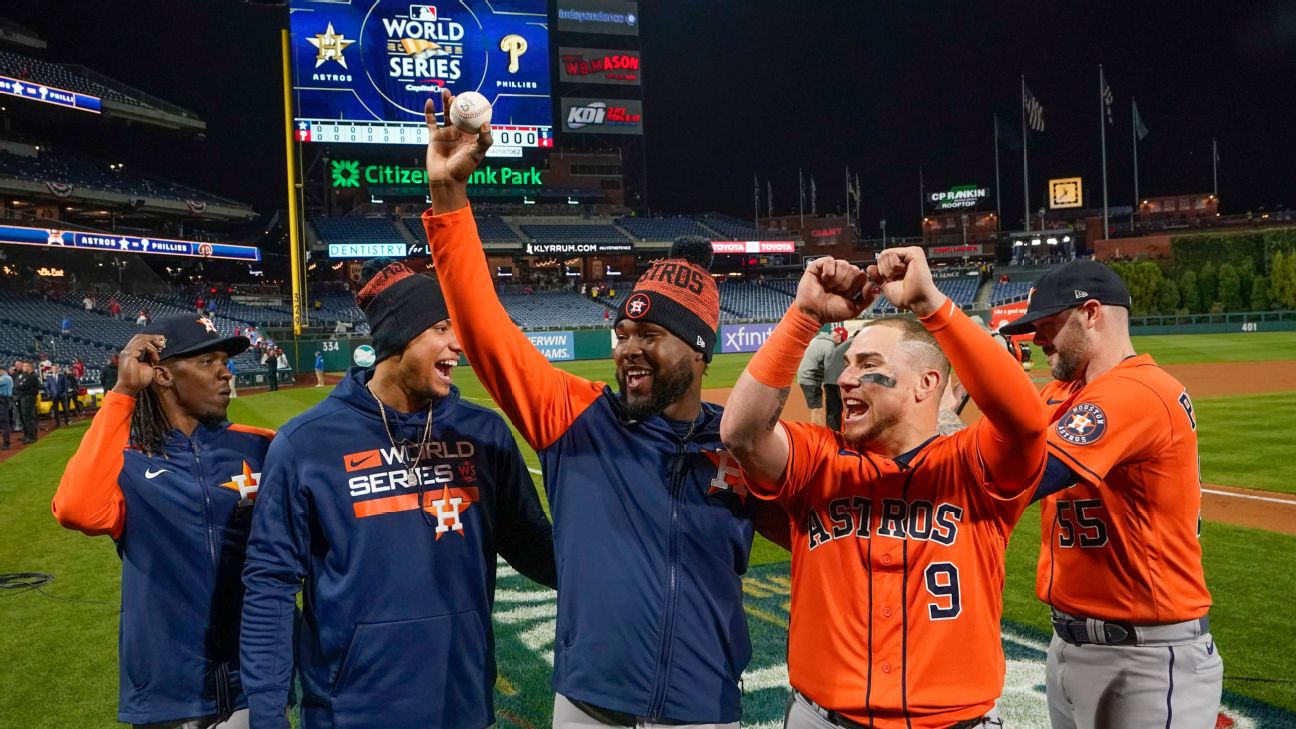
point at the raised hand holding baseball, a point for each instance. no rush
(833, 290)
(906, 280)
(452, 155)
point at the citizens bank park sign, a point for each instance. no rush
(956, 198)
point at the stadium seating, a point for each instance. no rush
(491, 229)
(357, 230)
(669, 228)
(551, 310)
(51, 166)
(735, 229)
(77, 78)
(962, 291)
(1006, 293)
(749, 301)
(593, 233)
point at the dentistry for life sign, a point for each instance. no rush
(555, 346)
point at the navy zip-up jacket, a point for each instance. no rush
(181, 524)
(652, 532)
(396, 615)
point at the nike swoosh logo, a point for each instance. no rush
(150, 473)
(1055, 402)
(366, 459)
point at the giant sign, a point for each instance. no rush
(752, 246)
(594, 66)
(600, 17)
(362, 70)
(602, 116)
(52, 238)
(957, 198)
(575, 249)
(49, 95)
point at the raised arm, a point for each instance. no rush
(1011, 439)
(89, 498)
(829, 290)
(539, 399)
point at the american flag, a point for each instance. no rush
(1034, 111)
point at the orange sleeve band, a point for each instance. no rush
(775, 363)
(88, 498)
(540, 400)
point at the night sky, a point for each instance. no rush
(735, 87)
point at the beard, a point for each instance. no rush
(1067, 367)
(858, 441)
(668, 385)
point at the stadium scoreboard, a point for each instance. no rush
(363, 69)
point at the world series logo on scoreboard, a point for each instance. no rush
(364, 69)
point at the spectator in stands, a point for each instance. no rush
(65, 326)
(114, 308)
(45, 366)
(272, 369)
(88, 303)
(6, 402)
(200, 304)
(78, 367)
(143, 318)
(27, 385)
(339, 328)
(211, 306)
(56, 387)
(317, 304)
(108, 375)
(810, 375)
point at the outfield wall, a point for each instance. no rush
(567, 345)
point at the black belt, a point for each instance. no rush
(1083, 631)
(620, 718)
(836, 718)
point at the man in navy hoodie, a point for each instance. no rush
(390, 500)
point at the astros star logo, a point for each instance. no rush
(207, 324)
(728, 478)
(1083, 424)
(330, 45)
(1080, 424)
(638, 305)
(246, 484)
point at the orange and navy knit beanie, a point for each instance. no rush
(679, 295)
(399, 304)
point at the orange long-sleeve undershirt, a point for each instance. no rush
(1011, 440)
(89, 498)
(540, 400)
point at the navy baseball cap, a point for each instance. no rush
(187, 335)
(1067, 287)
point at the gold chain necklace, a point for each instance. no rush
(412, 471)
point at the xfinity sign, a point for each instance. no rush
(966, 196)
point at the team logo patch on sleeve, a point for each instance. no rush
(1083, 424)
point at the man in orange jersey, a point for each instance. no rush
(1120, 562)
(162, 472)
(898, 533)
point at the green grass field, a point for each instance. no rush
(58, 653)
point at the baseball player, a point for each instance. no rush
(1120, 562)
(390, 501)
(898, 533)
(810, 375)
(652, 525)
(173, 483)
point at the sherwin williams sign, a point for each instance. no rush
(736, 338)
(555, 346)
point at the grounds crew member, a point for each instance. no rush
(390, 499)
(652, 527)
(162, 472)
(833, 367)
(810, 375)
(898, 533)
(1120, 561)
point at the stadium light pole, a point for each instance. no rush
(294, 232)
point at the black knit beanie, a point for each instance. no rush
(678, 294)
(399, 305)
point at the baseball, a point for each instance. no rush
(470, 111)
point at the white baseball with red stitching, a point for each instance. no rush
(470, 111)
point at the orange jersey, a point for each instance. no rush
(1122, 544)
(897, 575)
(898, 568)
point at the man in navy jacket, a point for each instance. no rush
(173, 483)
(390, 500)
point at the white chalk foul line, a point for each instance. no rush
(1289, 502)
